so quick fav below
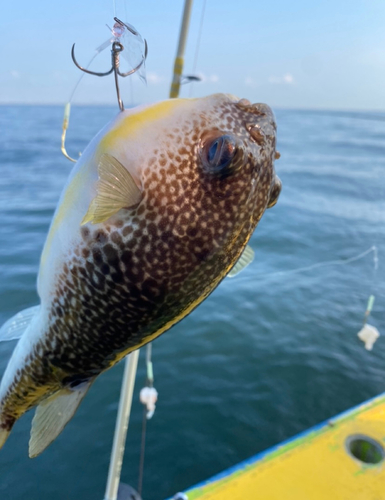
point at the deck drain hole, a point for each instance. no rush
(365, 449)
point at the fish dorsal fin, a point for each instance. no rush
(15, 327)
(246, 258)
(52, 415)
(116, 189)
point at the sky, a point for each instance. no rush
(289, 54)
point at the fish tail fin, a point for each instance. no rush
(52, 415)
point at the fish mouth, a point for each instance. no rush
(262, 130)
(275, 190)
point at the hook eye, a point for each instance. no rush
(117, 47)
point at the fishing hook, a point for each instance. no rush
(116, 49)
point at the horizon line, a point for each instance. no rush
(110, 105)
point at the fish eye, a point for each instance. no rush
(218, 154)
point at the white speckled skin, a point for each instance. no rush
(109, 288)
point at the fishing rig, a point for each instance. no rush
(117, 47)
(126, 41)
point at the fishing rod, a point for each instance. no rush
(179, 59)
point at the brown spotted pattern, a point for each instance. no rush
(144, 269)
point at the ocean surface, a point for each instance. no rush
(267, 355)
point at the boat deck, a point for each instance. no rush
(342, 459)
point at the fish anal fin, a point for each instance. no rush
(16, 326)
(246, 258)
(116, 189)
(52, 415)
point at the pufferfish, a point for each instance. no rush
(157, 211)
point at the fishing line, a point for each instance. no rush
(340, 262)
(67, 107)
(148, 397)
(368, 333)
(125, 10)
(131, 92)
(119, 8)
(198, 45)
(142, 451)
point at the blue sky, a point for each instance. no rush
(294, 54)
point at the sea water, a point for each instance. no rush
(269, 354)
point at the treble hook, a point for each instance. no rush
(117, 48)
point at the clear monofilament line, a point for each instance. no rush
(340, 262)
(198, 46)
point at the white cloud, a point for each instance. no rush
(154, 78)
(15, 74)
(249, 82)
(286, 79)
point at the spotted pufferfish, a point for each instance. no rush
(156, 212)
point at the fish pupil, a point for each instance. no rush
(212, 151)
(221, 151)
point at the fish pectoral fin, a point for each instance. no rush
(16, 326)
(116, 189)
(52, 415)
(246, 258)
